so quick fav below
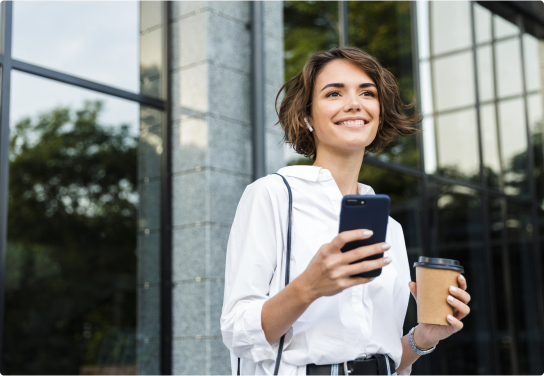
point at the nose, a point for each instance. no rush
(352, 104)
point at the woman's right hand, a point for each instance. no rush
(327, 274)
(330, 270)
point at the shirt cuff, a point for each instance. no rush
(261, 349)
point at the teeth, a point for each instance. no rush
(352, 122)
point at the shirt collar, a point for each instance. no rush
(310, 173)
(314, 173)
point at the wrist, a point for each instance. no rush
(303, 291)
(422, 342)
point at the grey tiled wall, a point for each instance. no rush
(211, 166)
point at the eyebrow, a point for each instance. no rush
(340, 85)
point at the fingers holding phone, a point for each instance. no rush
(369, 264)
(369, 212)
(331, 271)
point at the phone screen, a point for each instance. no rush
(369, 212)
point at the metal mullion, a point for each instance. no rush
(394, 167)
(7, 20)
(450, 53)
(433, 92)
(258, 88)
(166, 204)
(485, 204)
(445, 180)
(532, 184)
(425, 246)
(435, 365)
(496, 106)
(86, 84)
(343, 28)
(453, 110)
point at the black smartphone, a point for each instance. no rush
(369, 212)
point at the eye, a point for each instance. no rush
(332, 94)
(368, 93)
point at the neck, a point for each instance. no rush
(344, 168)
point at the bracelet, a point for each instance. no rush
(414, 347)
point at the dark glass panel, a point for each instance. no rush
(519, 334)
(519, 229)
(73, 209)
(502, 284)
(535, 108)
(309, 27)
(456, 228)
(404, 191)
(384, 30)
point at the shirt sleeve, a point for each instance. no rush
(254, 245)
(402, 292)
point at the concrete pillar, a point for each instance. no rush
(211, 166)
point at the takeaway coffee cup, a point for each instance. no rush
(434, 276)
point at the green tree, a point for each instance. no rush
(71, 264)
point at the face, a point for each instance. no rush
(345, 108)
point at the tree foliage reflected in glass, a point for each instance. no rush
(383, 29)
(308, 27)
(73, 207)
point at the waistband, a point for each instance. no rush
(378, 364)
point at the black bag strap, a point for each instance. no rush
(287, 267)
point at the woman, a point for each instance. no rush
(340, 106)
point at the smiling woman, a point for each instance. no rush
(342, 105)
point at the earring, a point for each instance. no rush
(308, 125)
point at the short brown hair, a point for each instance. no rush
(297, 103)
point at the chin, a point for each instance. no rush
(353, 145)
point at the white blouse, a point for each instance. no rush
(364, 319)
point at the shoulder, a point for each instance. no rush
(268, 187)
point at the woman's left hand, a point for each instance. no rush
(428, 335)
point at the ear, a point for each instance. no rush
(308, 125)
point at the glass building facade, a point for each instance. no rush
(468, 187)
(106, 266)
(82, 117)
